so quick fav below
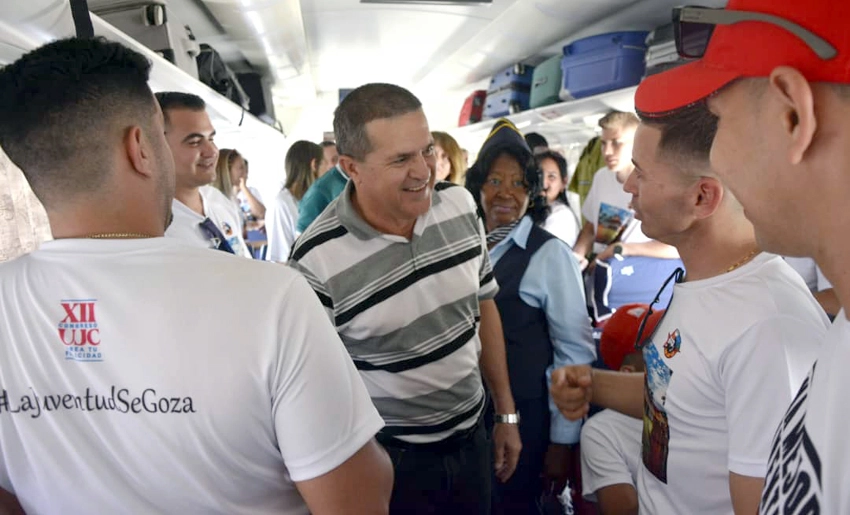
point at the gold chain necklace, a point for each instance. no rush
(118, 235)
(742, 262)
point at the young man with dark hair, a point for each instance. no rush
(403, 272)
(779, 83)
(734, 346)
(113, 365)
(203, 215)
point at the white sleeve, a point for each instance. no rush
(321, 410)
(280, 231)
(603, 460)
(756, 372)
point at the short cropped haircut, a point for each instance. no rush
(326, 144)
(686, 134)
(369, 102)
(169, 100)
(64, 107)
(477, 174)
(619, 120)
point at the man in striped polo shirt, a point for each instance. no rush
(404, 274)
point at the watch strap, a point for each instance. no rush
(508, 418)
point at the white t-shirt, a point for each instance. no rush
(810, 272)
(608, 203)
(160, 404)
(282, 226)
(809, 469)
(223, 213)
(563, 223)
(610, 451)
(722, 367)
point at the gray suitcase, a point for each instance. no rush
(661, 54)
(151, 23)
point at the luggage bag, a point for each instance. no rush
(661, 53)
(509, 91)
(506, 101)
(546, 83)
(603, 63)
(214, 72)
(473, 108)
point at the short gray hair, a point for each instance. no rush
(361, 106)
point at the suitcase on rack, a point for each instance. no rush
(152, 24)
(661, 53)
(509, 91)
(473, 108)
(546, 83)
(506, 101)
(603, 63)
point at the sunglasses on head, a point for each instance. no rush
(693, 27)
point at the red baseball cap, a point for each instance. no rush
(755, 49)
(620, 332)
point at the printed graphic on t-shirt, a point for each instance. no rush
(656, 430)
(79, 331)
(792, 485)
(673, 344)
(611, 222)
(232, 238)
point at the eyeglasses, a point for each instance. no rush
(677, 276)
(693, 27)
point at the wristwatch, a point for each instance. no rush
(618, 250)
(509, 418)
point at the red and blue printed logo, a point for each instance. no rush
(673, 344)
(79, 330)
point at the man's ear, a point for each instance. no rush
(139, 151)
(709, 196)
(351, 168)
(790, 88)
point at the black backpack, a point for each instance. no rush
(213, 72)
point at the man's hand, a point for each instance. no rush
(572, 390)
(506, 447)
(557, 466)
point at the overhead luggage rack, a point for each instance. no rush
(575, 118)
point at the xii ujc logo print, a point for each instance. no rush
(79, 330)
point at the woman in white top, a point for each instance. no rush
(562, 220)
(231, 178)
(302, 165)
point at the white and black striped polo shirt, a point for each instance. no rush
(407, 310)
